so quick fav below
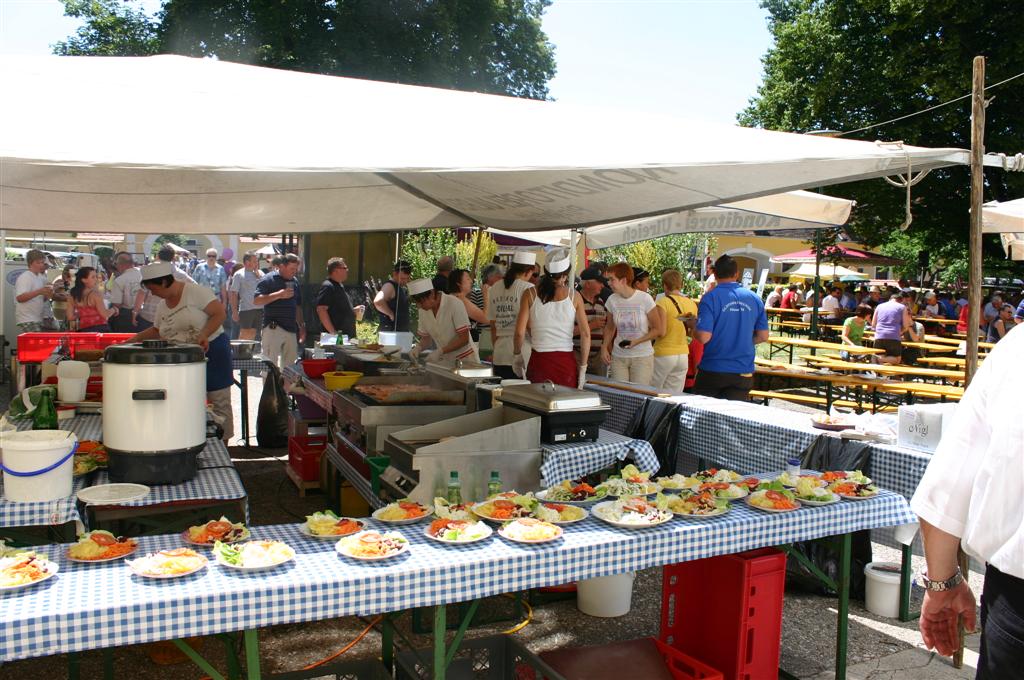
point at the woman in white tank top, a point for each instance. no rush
(551, 314)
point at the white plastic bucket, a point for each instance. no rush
(882, 589)
(73, 369)
(606, 596)
(72, 380)
(37, 464)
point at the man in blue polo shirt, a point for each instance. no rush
(730, 322)
(283, 326)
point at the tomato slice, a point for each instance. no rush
(102, 539)
(775, 496)
(717, 486)
(218, 528)
(503, 504)
(558, 507)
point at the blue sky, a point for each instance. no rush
(696, 59)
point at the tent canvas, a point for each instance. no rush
(234, 154)
(849, 255)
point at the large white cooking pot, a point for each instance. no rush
(154, 398)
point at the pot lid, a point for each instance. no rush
(161, 352)
(549, 397)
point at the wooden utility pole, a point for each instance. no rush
(476, 250)
(974, 280)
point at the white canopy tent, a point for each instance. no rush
(173, 144)
(827, 272)
(1007, 220)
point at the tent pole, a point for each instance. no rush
(476, 250)
(817, 285)
(974, 246)
(574, 240)
(3, 278)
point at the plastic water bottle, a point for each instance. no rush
(793, 467)
(494, 485)
(454, 489)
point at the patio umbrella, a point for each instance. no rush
(829, 272)
(1007, 220)
(846, 255)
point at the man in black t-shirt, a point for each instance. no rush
(284, 329)
(333, 306)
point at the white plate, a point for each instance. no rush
(262, 567)
(138, 571)
(757, 507)
(337, 547)
(304, 530)
(624, 525)
(717, 513)
(543, 497)
(426, 532)
(815, 504)
(656, 491)
(105, 559)
(859, 498)
(569, 521)
(504, 535)
(245, 537)
(112, 494)
(499, 520)
(400, 522)
(51, 571)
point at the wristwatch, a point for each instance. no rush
(939, 586)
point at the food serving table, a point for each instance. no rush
(90, 606)
(573, 461)
(216, 489)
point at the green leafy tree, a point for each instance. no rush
(176, 239)
(423, 248)
(466, 248)
(844, 65)
(679, 251)
(495, 46)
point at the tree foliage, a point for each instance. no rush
(495, 46)
(684, 252)
(465, 249)
(423, 248)
(843, 65)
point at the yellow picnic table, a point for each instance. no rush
(956, 342)
(816, 345)
(932, 319)
(887, 369)
(840, 389)
(926, 390)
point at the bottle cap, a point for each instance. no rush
(792, 461)
(494, 474)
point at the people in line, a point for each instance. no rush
(552, 314)
(443, 326)
(678, 317)
(87, 304)
(392, 300)
(632, 323)
(592, 283)
(333, 306)
(731, 321)
(284, 327)
(189, 312)
(246, 314)
(32, 294)
(504, 300)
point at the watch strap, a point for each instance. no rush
(950, 583)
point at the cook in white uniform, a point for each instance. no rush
(503, 302)
(444, 325)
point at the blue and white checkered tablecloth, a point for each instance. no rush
(572, 461)
(254, 365)
(89, 606)
(216, 479)
(624, 406)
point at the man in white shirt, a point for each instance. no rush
(123, 291)
(970, 495)
(32, 290)
(774, 298)
(830, 305)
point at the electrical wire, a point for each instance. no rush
(347, 647)
(930, 108)
(525, 622)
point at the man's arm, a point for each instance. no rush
(941, 610)
(233, 302)
(460, 340)
(325, 319)
(283, 294)
(300, 321)
(381, 299)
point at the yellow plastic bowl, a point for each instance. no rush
(341, 380)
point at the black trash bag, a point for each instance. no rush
(833, 453)
(272, 417)
(657, 421)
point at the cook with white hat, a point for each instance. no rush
(551, 313)
(503, 302)
(190, 313)
(443, 324)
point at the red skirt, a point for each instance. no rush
(558, 367)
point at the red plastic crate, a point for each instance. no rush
(645, 658)
(304, 454)
(740, 633)
(37, 347)
(685, 667)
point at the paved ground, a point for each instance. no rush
(879, 648)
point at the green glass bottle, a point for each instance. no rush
(45, 415)
(494, 485)
(454, 489)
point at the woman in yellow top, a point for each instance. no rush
(671, 351)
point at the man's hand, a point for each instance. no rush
(302, 334)
(519, 365)
(606, 356)
(939, 614)
(286, 293)
(234, 316)
(203, 342)
(582, 379)
(47, 292)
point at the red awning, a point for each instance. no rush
(852, 255)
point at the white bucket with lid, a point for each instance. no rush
(37, 464)
(882, 588)
(72, 380)
(606, 596)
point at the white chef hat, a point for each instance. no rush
(558, 262)
(420, 286)
(524, 257)
(157, 270)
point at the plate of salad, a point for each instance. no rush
(503, 508)
(631, 482)
(774, 500)
(254, 555)
(853, 491)
(559, 513)
(371, 546)
(726, 490)
(89, 457)
(457, 531)
(326, 524)
(23, 569)
(168, 563)
(717, 475)
(404, 511)
(697, 505)
(855, 476)
(530, 530)
(460, 511)
(789, 480)
(573, 493)
(809, 491)
(223, 530)
(631, 513)
(100, 546)
(677, 482)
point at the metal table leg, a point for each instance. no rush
(906, 582)
(843, 623)
(244, 387)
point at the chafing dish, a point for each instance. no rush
(506, 440)
(567, 415)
